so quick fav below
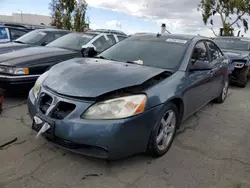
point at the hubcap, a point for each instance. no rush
(166, 130)
(225, 89)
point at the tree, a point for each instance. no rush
(230, 11)
(56, 13)
(68, 14)
(79, 16)
(68, 7)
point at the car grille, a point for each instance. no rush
(54, 108)
(45, 102)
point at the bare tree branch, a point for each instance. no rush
(213, 32)
(237, 19)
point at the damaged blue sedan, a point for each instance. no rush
(129, 99)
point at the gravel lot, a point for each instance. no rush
(212, 150)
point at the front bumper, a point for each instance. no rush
(109, 139)
(16, 81)
(238, 75)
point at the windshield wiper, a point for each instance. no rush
(132, 62)
(101, 57)
(16, 41)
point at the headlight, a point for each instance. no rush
(117, 108)
(239, 64)
(39, 81)
(14, 70)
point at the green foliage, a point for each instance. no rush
(68, 14)
(230, 11)
(79, 16)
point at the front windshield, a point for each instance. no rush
(32, 37)
(73, 41)
(231, 44)
(156, 52)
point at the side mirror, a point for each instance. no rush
(200, 65)
(89, 52)
(44, 43)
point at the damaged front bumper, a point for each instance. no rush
(108, 139)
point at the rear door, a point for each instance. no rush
(219, 64)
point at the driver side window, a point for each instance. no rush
(200, 53)
(100, 44)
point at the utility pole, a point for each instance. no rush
(21, 14)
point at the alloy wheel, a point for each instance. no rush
(166, 130)
(225, 90)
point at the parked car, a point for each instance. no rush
(238, 50)
(131, 98)
(10, 33)
(39, 37)
(23, 67)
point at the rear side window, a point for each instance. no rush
(3, 33)
(111, 40)
(121, 38)
(214, 51)
(101, 44)
(15, 33)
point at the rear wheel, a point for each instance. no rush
(163, 134)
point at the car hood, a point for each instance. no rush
(31, 55)
(12, 46)
(236, 54)
(90, 77)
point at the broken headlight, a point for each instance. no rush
(239, 64)
(38, 84)
(118, 108)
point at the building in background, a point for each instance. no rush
(32, 19)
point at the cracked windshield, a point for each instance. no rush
(124, 94)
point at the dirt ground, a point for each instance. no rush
(212, 150)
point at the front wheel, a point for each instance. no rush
(163, 134)
(223, 94)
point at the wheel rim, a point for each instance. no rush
(166, 130)
(225, 89)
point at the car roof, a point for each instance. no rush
(13, 27)
(152, 36)
(111, 31)
(52, 29)
(232, 37)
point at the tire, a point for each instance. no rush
(244, 83)
(243, 77)
(223, 93)
(154, 148)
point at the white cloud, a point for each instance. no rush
(180, 16)
(114, 24)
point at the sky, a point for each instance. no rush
(180, 16)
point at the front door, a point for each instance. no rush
(200, 89)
